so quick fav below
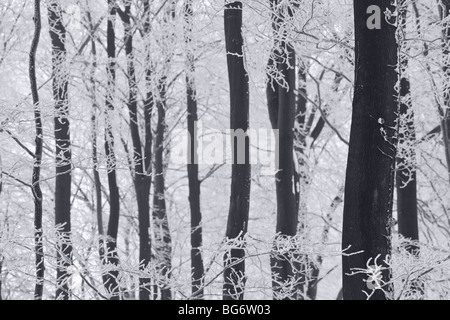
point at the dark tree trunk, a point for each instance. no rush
(197, 268)
(36, 187)
(406, 177)
(63, 149)
(371, 161)
(234, 259)
(287, 216)
(300, 176)
(145, 251)
(282, 110)
(163, 238)
(110, 279)
(142, 178)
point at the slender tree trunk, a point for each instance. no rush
(300, 177)
(63, 149)
(406, 177)
(142, 175)
(234, 259)
(287, 217)
(162, 234)
(283, 266)
(161, 223)
(36, 188)
(369, 182)
(197, 268)
(110, 279)
(148, 110)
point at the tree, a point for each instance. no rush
(282, 102)
(234, 259)
(192, 167)
(369, 180)
(163, 237)
(63, 149)
(110, 279)
(145, 252)
(162, 232)
(142, 166)
(36, 187)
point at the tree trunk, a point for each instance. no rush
(371, 161)
(36, 187)
(234, 259)
(163, 238)
(197, 268)
(110, 279)
(144, 221)
(142, 176)
(63, 149)
(283, 266)
(161, 223)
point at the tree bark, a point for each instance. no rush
(282, 102)
(63, 149)
(371, 161)
(234, 259)
(144, 221)
(163, 238)
(142, 178)
(197, 268)
(36, 187)
(111, 256)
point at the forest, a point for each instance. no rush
(225, 150)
